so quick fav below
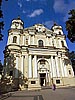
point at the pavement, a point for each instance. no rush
(43, 94)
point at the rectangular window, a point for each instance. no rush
(33, 82)
(57, 81)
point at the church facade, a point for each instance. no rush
(37, 56)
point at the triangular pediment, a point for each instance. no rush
(39, 29)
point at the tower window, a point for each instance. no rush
(70, 72)
(40, 43)
(14, 39)
(26, 41)
(59, 33)
(53, 57)
(62, 43)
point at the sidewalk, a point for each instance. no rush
(67, 93)
(6, 95)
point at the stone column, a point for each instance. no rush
(30, 67)
(16, 68)
(65, 69)
(52, 66)
(46, 78)
(50, 71)
(35, 67)
(22, 65)
(57, 67)
(62, 69)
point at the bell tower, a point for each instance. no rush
(17, 24)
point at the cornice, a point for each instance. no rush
(15, 30)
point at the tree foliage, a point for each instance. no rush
(1, 67)
(1, 21)
(72, 58)
(70, 26)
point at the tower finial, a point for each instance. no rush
(18, 17)
(54, 23)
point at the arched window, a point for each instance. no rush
(40, 43)
(69, 72)
(14, 39)
(59, 33)
(26, 41)
(62, 43)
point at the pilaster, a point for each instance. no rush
(57, 67)
(30, 67)
(52, 66)
(65, 69)
(62, 69)
(22, 67)
(35, 67)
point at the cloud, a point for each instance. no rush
(70, 6)
(36, 13)
(42, 2)
(27, 0)
(48, 24)
(59, 6)
(24, 11)
(20, 4)
(36, 0)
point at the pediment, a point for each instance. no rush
(39, 29)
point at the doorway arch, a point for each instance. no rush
(43, 71)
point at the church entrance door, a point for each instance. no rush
(43, 79)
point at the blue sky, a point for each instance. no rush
(36, 11)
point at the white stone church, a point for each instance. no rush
(37, 56)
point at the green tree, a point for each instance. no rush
(1, 22)
(1, 67)
(70, 25)
(72, 58)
